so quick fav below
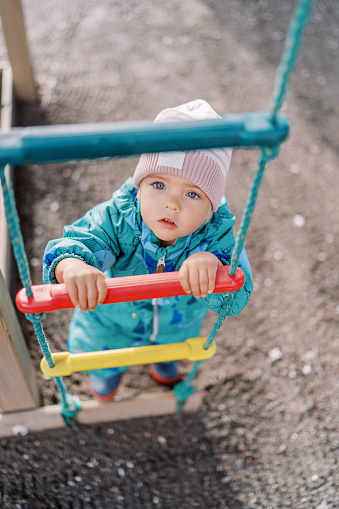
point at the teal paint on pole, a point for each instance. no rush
(50, 144)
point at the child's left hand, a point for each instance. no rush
(197, 273)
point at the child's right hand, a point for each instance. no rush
(85, 284)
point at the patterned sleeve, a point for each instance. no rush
(240, 298)
(94, 238)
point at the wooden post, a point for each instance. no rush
(5, 124)
(18, 385)
(17, 47)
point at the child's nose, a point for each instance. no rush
(172, 203)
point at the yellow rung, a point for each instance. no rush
(67, 363)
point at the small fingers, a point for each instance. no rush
(203, 279)
(92, 295)
(184, 278)
(200, 281)
(83, 296)
(190, 281)
(73, 293)
(194, 281)
(86, 285)
(102, 290)
(212, 274)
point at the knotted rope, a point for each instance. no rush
(288, 61)
(70, 405)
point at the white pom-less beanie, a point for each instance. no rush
(206, 169)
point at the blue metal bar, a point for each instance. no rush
(37, 145)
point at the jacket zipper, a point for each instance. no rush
(161, 264)
(160, 267)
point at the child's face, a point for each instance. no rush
(172, 207)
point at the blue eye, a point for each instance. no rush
(158, 185)
(192, 194)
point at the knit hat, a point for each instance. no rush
(206, 169)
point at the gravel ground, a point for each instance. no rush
(266, 435)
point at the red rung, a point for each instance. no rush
(123, 289)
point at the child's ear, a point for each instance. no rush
(138, 194)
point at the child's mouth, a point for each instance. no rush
(168, 222)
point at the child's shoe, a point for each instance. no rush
(104, 388)
(167, 373)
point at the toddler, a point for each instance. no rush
(172, 216)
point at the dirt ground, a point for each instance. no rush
(266, 435)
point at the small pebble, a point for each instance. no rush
(54, 207)
(314, 149)
(307, 369)
(299, 221)
(121, 472)
(35, 262)
(309, 355)
(305, 73)
(295, 168)
(20, 430)
(277, 255)
(275, 354)
(239, 464)
(84, 186)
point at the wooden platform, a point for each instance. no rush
(93, 411)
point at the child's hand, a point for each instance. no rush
(85, 284)
(197, 273)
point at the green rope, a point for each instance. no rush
(266, 155)
(185, 389)
(70, 405)
(15, 233)
(290, 54)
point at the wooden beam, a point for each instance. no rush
(93, 411)
(6, 104)
(17, 47)
(18, 385)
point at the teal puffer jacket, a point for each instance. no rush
(113, 238)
